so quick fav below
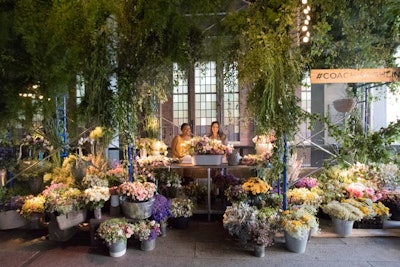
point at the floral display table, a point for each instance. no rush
(225, 167)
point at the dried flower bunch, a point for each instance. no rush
(114, 230)
(137, 191)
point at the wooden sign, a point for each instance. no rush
(355, 75)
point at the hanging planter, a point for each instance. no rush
(344, 104)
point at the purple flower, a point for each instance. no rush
(225, 180)
(307, 182)
(161, 208)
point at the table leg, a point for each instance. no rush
(209, 193)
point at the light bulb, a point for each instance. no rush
(306, 39)
(304, 28)
(305, 11)
(304, 2)
(306, 22)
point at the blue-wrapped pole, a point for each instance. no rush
(130, 156)
(285, 172)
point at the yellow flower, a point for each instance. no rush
(255, 185)
(96, 133)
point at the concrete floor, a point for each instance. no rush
(204, 243)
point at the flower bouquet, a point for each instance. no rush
(65, 205)
(235, 193)
(62, 199)
(137, 199)
(114, 230)
(161, 209)
(33, 205)
(137, 191)
(206, 146)
(96, 196)
(303, 196)
(343, 211)
(256, 188)
(169, 182)
(264, 228)
(182, 207)
(146, 229)
(297, 222)
(236, 219)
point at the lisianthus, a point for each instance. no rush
(161, 208)
(114, 230)
(33, 205)
(137, 191)
(182, 207)
(235, 193)
(169, 182)
(307, 182)
(146, 230)
(205, 145)
(225, 180)
(96, 196)
(359, 190)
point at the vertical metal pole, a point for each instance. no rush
(285, 174)
(130, 156)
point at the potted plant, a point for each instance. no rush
(161, 211)
(263, 229)
(343, 215)
(297, 223)
(181, 209)
(10, 217)
(169, 182)
(33, 211)
(146, 231)
(95, 197)
(137, 199)
(65, 205)
(206, 151)
(264, 143)
(236, 219)
(256, 188)
(115, 233)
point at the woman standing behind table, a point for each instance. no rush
(177, 149)
(217, 133)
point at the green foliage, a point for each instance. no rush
(355, 145)
(354, 34)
